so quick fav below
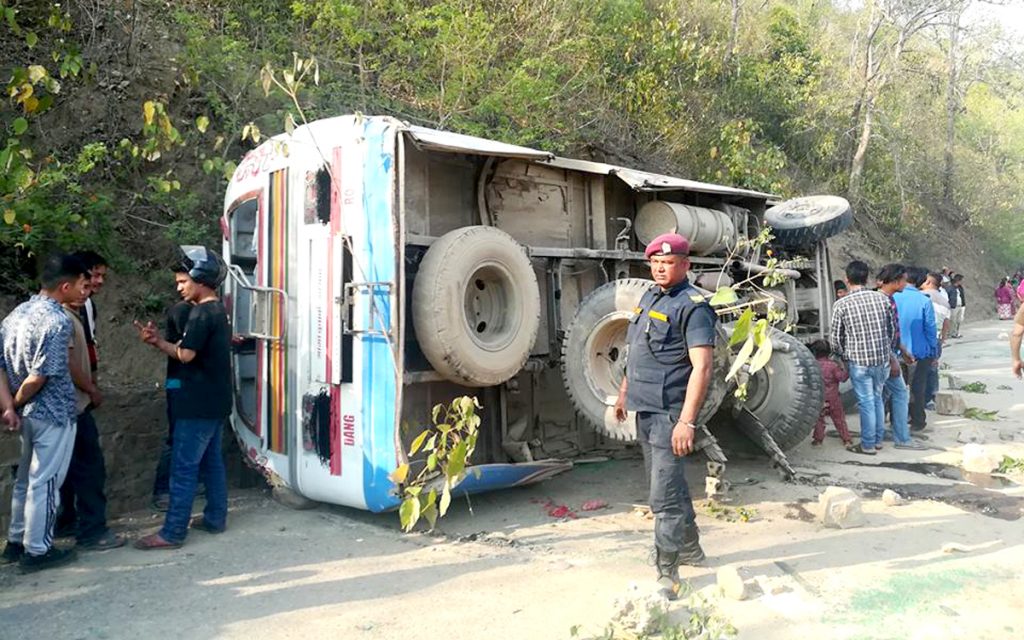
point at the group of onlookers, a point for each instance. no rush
(887, 339)
(47, 392)
(49, 389)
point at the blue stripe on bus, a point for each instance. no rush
(379, 393)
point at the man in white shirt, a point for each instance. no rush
(940, 303)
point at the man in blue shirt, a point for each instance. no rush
(35, 339)
(917, 330)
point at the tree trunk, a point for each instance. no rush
(951, 109)
(857, 164)
(733, 33)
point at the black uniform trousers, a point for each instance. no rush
(670, 495)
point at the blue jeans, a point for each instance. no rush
(896, 388)
(867, 385)
(197, 452)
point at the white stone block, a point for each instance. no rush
(840, 508)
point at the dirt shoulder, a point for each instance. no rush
(504, 568)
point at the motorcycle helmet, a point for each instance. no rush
(202, 265)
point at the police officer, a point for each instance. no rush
(671, 341)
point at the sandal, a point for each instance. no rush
(154, 541)
(857, 448)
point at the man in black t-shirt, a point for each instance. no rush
(202, 403)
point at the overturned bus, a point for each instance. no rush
(380, 268)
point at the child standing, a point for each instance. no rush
(833, 373)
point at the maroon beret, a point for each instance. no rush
(668, 244)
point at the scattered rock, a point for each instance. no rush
(499, 539)
(1008, 435)
(1003, 335)
(731, 583)
(840, 508)
(978, 459)
(712, 487)
(971, 434)
(891, 499)
(955, 547)
(638, 610)
(949, 404)
(953, 382)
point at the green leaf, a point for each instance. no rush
(432, 461)
(9, 216)
(20, 125)
(446, 500)
(457, 459)
(409, 513)
(31, 39)
(208, 166)
(724, 296)
(399, 474)
(417, 443)
(741, 357)
(763, 355)
(742, 329)
(436, 413)
(760, 331)
(429, 512)
(202, 122)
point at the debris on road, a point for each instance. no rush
(594, 505)
(974, 413)
(949, 404)
(978, 459)
(971, 434)
(892, 499)
(731, 583)
(955, 547)
(560, 511)
(840, 508)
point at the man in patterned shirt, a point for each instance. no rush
(864, 334)
(35, 340)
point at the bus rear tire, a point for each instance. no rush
(476, 306)
(594, 358)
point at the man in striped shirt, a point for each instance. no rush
(864, 334)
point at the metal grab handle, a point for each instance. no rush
(348, 303)
(242, 280)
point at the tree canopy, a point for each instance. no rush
(911, 108)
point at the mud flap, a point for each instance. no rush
(487, 477)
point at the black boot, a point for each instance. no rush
(691, 554)
(667, 563)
